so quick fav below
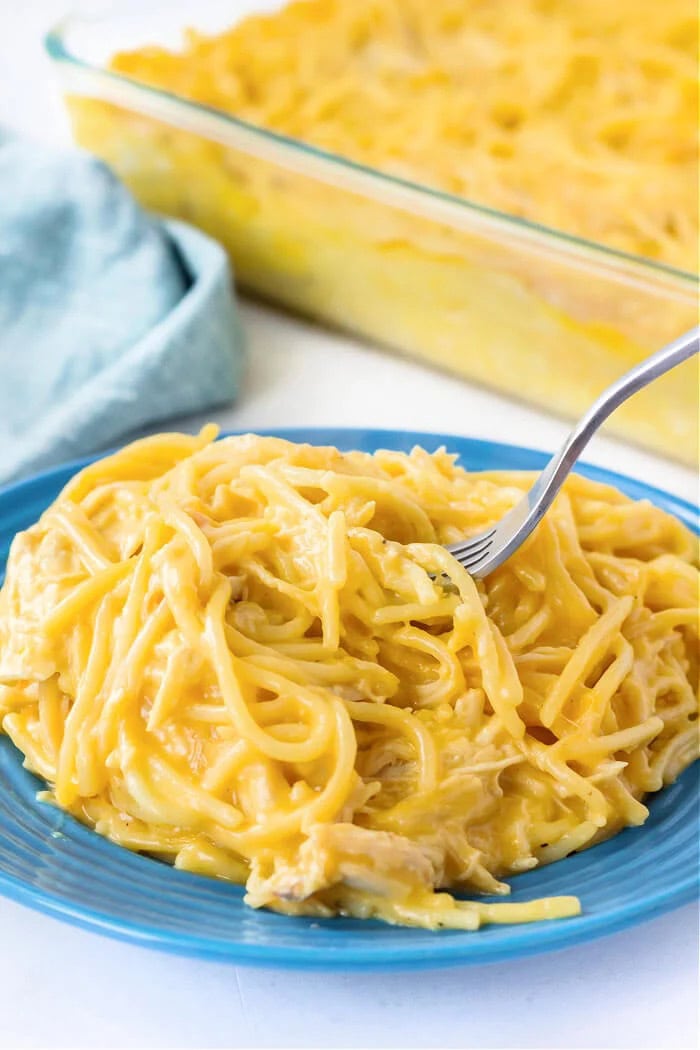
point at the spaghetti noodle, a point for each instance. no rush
(238, 656)
(580, 116)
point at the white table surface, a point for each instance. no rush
(62, 987)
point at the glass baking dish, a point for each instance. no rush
(531, 311)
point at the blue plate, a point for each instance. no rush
(50, 862)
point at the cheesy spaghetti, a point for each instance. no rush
(580, 116)
(239, 656)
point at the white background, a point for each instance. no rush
(61, 987)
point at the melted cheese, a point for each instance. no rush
(237, 656)
(579, 116)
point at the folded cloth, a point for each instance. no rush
(109, 318)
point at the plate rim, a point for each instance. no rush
(438, 952)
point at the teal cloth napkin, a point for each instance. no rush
(110, 320)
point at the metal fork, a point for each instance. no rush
(483, 553)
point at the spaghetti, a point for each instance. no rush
(580, 116)
(238, 656)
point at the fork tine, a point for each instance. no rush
(469, 557)
(471, 546)
(476, 553)
(470, 560)
(475, 563)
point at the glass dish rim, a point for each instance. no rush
(559, 242)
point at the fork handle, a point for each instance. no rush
(541, 495)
